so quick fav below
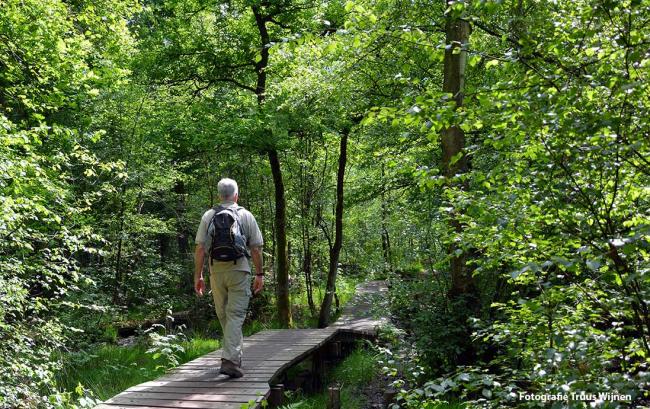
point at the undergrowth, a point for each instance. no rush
(352, 374)
(110, 369)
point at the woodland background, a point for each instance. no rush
(489, 158)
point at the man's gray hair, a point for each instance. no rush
(227, 189)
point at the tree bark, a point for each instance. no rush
(282, 272)
(454, 161)
(335, 250)
(183, 239)
(307, 188)
(309, 284)
(385, 237)
(282, 275)
(117, 289)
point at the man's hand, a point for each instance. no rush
(199, 286)
(258, 284)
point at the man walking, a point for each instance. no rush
(229, 235)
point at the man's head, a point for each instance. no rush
(228, 190)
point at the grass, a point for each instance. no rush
(345, 286)
(301, 315)
(352, 374)
(110, 369)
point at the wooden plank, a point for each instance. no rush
(255, 368)
(207, 397)
(245, 364)
(247, 370)
(189, 384)
(247, 367)
(276, 346)
(282, 332)
(288, 337)
(107, 406)
(278, 341)
(263, 352)
(265, 356)
(116, 406)
(176, 403)
(208, 365)
(291, 334)
(248, 355)
(261, 344)
(224, 390)
(208, 377)
(294, 333)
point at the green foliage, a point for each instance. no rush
(165, 347)
(420, 306)
(110, 334)
(400, 363)
(118, 119)
(352, 375)
(110, 369)
(552, 212)
(55, 59)
(359, 368)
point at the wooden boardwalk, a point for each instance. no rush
(267, 355)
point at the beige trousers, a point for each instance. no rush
(231, 291)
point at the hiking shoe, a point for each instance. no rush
(231, 369)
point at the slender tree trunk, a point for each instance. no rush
(307, 185)
(163, 248)
(454, 161)
(309, 284)
(118, 257)
(282, 271)
(183, 239)
(385, 241)
(307, 259)
(210, 189)
(282, 275)
(385, 237)
(270, 222)
(335, 250)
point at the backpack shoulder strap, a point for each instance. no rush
(233, 212)
(216, 209)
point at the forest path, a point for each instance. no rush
(267, 355)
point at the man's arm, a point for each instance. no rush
(256, 255)
(199, 257)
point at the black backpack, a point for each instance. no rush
(228, 239)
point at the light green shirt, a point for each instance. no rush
(250, 229)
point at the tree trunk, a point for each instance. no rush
(335, 250)
(307, 185)
(118, 257)
(183, 239)
(163, 248)
(282, 272)
(454, 161)
(269, 214)
(309, 284)
(385, 237)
